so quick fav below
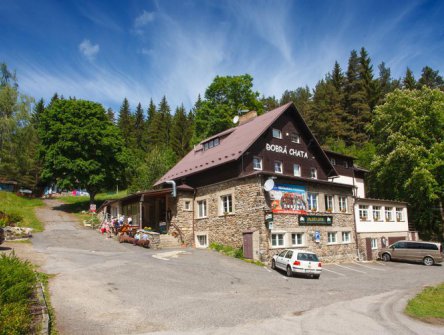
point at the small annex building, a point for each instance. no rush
(264, 185)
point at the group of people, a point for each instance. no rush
(116, 225)
(122, 228)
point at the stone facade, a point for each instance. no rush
(250, 203)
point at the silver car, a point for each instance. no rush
(297, 262)
(2, 235)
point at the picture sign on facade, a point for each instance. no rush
(269, 217)
(317, 236)
(315, 220)
(288, 199)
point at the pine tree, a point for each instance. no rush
(430, 78)
(384, 83)
(181, 132)
(160, 125)
(139, 128)
(126, 124)
(111, 115)
(151, 114)
(409, 81)
(301, 97)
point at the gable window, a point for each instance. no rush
(312, 201)
(329, 203)
(226, 204)
(377, 213)
(202, 209)
(363, 212)
(333, 161)
(343, 204)
(257, 163)
(297, 170)
(295, 138)
(278, 167)
(277, 133)
(313, 173)
(277, 240)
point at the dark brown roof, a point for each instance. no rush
(233, 143)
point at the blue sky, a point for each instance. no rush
(107, 50)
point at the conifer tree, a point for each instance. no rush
(384, 83)
(126, 124)
(301, 97)
(151, 113)
(409, 81)
(181, 132)
(430, 78)
(139, 128)
(160, 125)
(111, 115)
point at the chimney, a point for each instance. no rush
(247, 117)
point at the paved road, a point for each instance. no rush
(102, 287)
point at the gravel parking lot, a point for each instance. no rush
(102, 287)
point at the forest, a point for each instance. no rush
(394, 127)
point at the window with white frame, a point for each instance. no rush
(313, 173)
(363, 212)
(257, 163)
(202, 209)
(343, 204)
(297, 170)
(226, 204)
(374, 242)
(333, 161)
(278, 167)
(297, 239)
(277, 133)
(202, 241)
(389, 214)
(331, 237)
(346, 237)
(187, 205)
(377, 213)
(399, 216)
(295, 138)
(277, 240)
(329, 199)
(346, 164)
(312, 201)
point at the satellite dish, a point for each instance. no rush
(236, 119)
(268, 185)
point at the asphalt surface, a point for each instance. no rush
(103, 287)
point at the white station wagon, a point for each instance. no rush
(297, 262)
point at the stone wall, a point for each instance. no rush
(362, 243)
(181, 217)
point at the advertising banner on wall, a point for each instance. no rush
(288, 199)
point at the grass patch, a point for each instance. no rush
(233, 252)
(22, 208)
(17, 281)
(428, 305)
(44, 278)
(77, 204)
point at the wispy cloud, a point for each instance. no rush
(88, 49)
(142, 20)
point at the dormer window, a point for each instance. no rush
(277, 133)
(295, 138)
(211, 143)
(333, 161)
(313, 173)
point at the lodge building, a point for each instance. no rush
(264, 185)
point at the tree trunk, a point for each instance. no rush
(92, 195)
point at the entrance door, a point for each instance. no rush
(248, 245)
(368, 247)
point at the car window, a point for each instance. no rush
(282, 254)
(399, 245)
(414, 245)
(429, 246)
(302, 257)
(308, 257)
(289, 254)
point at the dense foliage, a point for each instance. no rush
(17, 280)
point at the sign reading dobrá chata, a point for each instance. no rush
(315, 220)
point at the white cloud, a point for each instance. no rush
(142, 20)
(88, 49)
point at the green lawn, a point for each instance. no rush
(428, 305)
(24, 207)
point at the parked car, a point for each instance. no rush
(297, 262)
(2, 235)
(428, 253)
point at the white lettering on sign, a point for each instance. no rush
(283, 150)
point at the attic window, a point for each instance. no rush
(295, 138)
(211, 143)
(333, 161)
(277, 133)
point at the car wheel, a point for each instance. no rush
(289, 272)
(386, 257)
(316, 276)
(428, 261)
(273, 264)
